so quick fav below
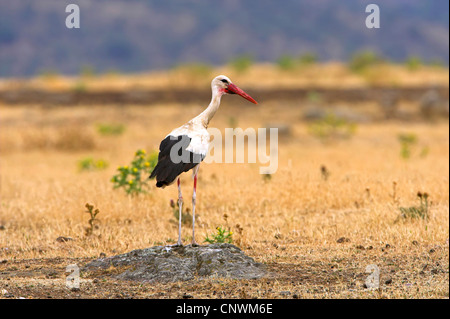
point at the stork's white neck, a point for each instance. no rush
(206, 116)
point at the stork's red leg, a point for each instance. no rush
(180, 204)
(194, 196)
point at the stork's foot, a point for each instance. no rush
(194, 243)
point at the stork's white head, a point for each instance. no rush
(223, 85)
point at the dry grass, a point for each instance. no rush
(292, 222)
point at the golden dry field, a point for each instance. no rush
(338, 202)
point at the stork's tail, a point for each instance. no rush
(154, 174)
(166, 171)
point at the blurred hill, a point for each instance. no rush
(139, 35)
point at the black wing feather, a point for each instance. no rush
(166, 171)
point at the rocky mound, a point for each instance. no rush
(172, 263)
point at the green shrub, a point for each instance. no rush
(196, 70)
(110, 128)
(307, 58)
(286, 62)
(90, 164)
(242, 63)
(407, 140)
(413, 63)
(332, 127)
(133, 178)
(87, 71)
(79, 87)
(49, 74)
(364, 59)
(409, 146)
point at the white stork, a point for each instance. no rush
(186, 146)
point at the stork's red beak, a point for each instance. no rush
(233, 89)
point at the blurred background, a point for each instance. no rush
(140, 35)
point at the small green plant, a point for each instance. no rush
(222, 235)
(414, 212)
(196, 70)
(79, 87)
(110, 128)
(286, 62)
(87, 71)
(332, 127)
(49, 74)
(409, 146)
(242, 63)
(413, 63)
(407, 140)
(93, 222)
(364, 59)
(133, 178)
(308, 58)
(313, 97)
(90, 164)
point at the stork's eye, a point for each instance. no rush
(224, 81)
